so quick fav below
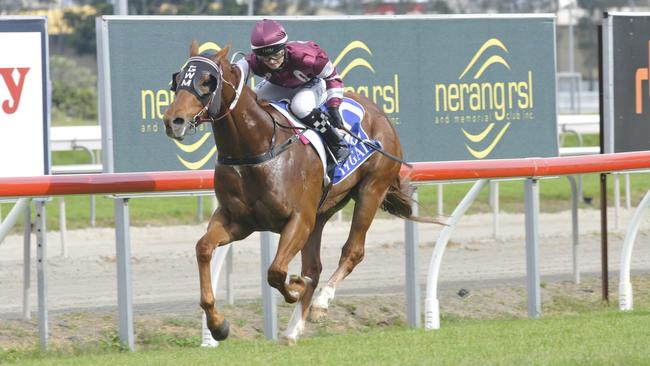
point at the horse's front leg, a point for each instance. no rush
(292, 239)
(220, 232)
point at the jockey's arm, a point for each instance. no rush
(334, 87)
(333, 82)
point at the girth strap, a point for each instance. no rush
(258, 159)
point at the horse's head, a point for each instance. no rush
(198, 87)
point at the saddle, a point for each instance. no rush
(352, 114)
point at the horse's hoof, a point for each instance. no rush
(291, 342)
(221, 332)
(295, 289)
(291, 297)
(317, 315)
(298, 281)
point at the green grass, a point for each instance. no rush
(143, 211)
(597, 338)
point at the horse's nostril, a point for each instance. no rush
(178, 121)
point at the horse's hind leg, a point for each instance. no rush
(220, 232)
(311, 270)
(370, 196)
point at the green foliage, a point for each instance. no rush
(83, 38)
(74, 90)
(111, 342)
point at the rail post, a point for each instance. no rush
(625, 298)
(531, 206)
(575, 231)
(123, 258)
(27, 260)
(269, 301)
(41, 273)
(412, 268)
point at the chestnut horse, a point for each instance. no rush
(265, 184)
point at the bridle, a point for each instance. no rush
(212, 106)
(211, 101)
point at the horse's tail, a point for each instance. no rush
(399, 202)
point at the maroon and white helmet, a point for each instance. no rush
(268, 37)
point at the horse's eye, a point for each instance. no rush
(210, 84)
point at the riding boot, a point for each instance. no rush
(336, 144)
(319, 121)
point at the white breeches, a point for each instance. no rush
(302, 99)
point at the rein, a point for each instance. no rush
(377, 148)
(198, 119)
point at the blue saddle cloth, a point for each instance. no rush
(352, 114)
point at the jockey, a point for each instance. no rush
(301, 72)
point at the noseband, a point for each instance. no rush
(197, 65)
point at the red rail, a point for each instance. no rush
(530, 167)
(59, 185)
(430, 171)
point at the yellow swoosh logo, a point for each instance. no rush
(356, 62)
(198, 164)
(209, 46)
(193, 147)
(353, 45)
(492, 60)
(480, 136)
(493, 42)
(483, 153)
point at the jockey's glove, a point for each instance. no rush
(335, 117)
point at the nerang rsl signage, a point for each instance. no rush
(24, 113)
(628, 60)
(456, 88)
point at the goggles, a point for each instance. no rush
(273, 57)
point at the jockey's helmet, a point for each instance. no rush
(268, 37)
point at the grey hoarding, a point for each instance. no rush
(630, 91)
(457, 88)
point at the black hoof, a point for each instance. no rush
(221, 332)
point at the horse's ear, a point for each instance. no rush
(194, 48)
(223, 54)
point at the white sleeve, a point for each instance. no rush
(327, 72)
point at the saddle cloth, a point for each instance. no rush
(352, 114)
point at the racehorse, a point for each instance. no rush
(264, 182)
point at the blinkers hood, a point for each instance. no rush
(191, 77)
